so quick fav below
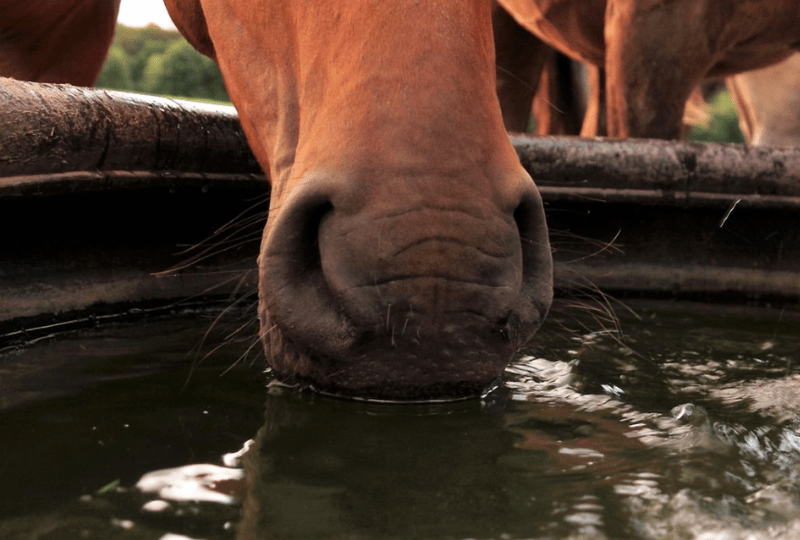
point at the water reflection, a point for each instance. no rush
(511, 468)
(321, 468)
(573, 449)
(685, 427)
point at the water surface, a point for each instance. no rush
(676, 421)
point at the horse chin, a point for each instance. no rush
(432, 369)
(403, 353)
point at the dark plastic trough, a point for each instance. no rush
(100, 192)
(714, 222)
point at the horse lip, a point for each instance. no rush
(447, 240)
(400, 277)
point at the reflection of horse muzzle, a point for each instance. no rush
(379, 472)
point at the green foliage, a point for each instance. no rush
(116, 72)
(724, 124)
(159, 61)
(133, 40)
(138, 61)
(182, 71)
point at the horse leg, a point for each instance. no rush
(561, 99)
(594, 123)
(655, 55)
(520, 58)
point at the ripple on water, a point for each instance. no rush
(684, 427)
(715, 408)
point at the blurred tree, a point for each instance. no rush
(116, 71)
(724, 123)
(138, 61)
(134, 39)
(182, 71)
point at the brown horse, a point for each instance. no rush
(655, 52)
(56, 41)
(531, 75)
(406, 254)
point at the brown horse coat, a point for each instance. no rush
(406, 254)
(56, 41)
(655, 52)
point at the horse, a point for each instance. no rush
(405, 254)
(56, 42)
(654, 53)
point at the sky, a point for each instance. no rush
(140, 13)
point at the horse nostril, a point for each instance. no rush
(504, 329)
(293, 238)
(293, 290)
(529, 223)
(309, 257)
(537, 260)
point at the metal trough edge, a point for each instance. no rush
(99, 189)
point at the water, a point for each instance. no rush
(684, 425)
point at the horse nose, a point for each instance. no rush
(398, 286)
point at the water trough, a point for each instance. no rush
(101, 191)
